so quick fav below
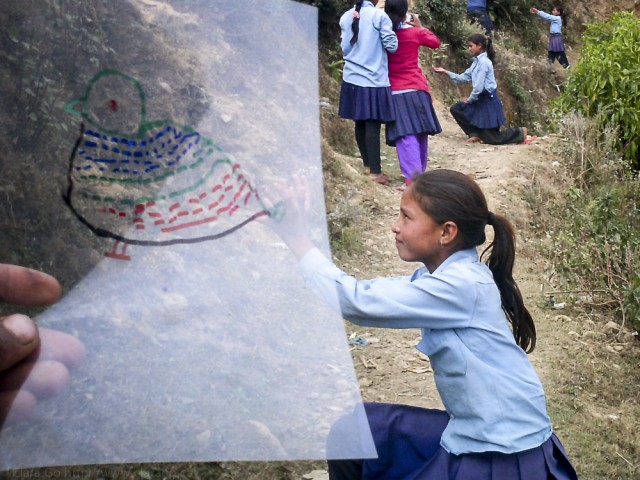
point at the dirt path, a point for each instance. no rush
(389, 367)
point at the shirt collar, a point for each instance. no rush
(469, 255)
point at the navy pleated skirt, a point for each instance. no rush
(556, 42)
(407, 440)
(366, 103)
(414, 114)
(486, 112)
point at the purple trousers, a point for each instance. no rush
(413, 154)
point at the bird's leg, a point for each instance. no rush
(114, 251)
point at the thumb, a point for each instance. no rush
(18, 339)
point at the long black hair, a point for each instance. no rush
(447, 195)
(563, 15)
(397, 11)
(485, 42)
(355, 24)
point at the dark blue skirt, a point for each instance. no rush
(486, 112)
(414, 114)
(366, 103)
(556, 42)
(408, 443)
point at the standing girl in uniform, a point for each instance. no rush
(415, 116)
(476, 332)
(480, 115)
(557, 20)
(365, 96)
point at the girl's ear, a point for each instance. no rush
(449, 233)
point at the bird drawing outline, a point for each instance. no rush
(155, 183)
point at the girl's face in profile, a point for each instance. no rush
(474, 48)
(418, 236)
(555, 11)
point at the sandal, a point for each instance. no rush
(473, 140)
(380, 178)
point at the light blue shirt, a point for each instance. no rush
(365, 62)
(555, 20)
(481, 76)
(489, 388)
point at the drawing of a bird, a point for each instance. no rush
(151, 183)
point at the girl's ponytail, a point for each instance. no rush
(491, 53)
(447, 195)
(355, 24)
(563, 16)
(500, 261)
(397, 12)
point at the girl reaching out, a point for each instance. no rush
(476, 331)
(557, 20)
(416, 118)
(365, 95)
(480, 115)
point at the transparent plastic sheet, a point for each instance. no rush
(156, 126)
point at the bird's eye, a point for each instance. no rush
(113, 105)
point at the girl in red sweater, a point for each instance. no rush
(415, 116)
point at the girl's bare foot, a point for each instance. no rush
(473, 140)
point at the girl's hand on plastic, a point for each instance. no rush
(293, 226)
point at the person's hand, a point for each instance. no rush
(293, 226)
(439, 70)
(34, 363)
(464, 99)
(533, 10)
(413, 19)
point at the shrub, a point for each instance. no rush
(604, 84)
(446, 19)
(514, 16)
(595, 228)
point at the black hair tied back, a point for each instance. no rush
(355, 25)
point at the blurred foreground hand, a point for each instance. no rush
(34, 362)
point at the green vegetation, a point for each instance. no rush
(446, 19)
(604, 84)
(514, 16)
(594, 227)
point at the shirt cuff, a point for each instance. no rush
(314, 261)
